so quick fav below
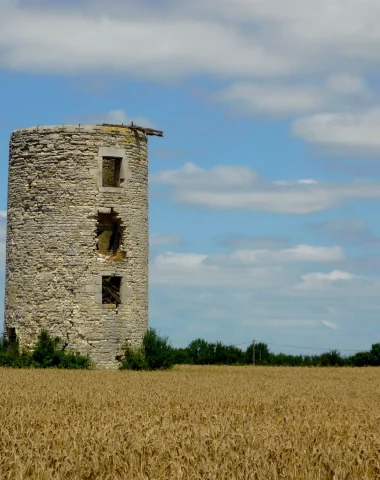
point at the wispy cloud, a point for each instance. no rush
(342, 133)
(331, 325)
(296, 254)
(167, 38)
(253, 242)
(120, 117)
(117, 116)
(2, 244)
(347, 231)
(193, 270)
(282, 323)
(241, 268)
(230, 37)
(322, 281)
(282, 99)
(159, 240)
(240, 188)
(316, 63)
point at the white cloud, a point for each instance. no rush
(267, 275)
(2, 245)
(3, 214)
(305, 181)
(159, 240)
(229, 299)
(185, 260)
(243, 242)
(342, 132)
(241, 268)
(221, 176)
(278, 322)
(318, 34)
(323, 281)
(189, 269)
(297, 254)
(235, 300)
(144, 41)
(347, 84)
(250, 98)
(347, 230)
(335, 275)
(289, 99)
(331, 325)
(312, 59)
(120, 117)
(340, 286)
(239, 188)
(232, 38)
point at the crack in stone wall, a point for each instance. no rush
(53, 273)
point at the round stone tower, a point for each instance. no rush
(77, 238)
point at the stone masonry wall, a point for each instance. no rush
(53, 271)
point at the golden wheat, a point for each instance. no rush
(191, 423)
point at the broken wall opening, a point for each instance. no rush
(111, 290)
(109, 235)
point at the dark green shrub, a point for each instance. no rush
(46, 354)
(134, 359)
(155, 354)
(10, 355)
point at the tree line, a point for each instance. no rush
(201, 352)
(157, 353)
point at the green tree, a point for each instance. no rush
(375, 355)
(158, 351)
(331, 359)
(228, 355)
(262, 354)
(202, 352)
(359, 359)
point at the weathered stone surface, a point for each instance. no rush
(53, 272)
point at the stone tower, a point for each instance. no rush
(77, 238)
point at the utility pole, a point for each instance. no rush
(253, 352)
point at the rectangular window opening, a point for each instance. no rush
(111, 172)
(111, 294)
(11, 335)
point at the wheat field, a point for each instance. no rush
(190, 423)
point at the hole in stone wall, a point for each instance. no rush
(111, 172)
(109, 236)
(111, 290)
(11, 335)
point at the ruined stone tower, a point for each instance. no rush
(77, 238)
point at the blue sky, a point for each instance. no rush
(265, 190)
